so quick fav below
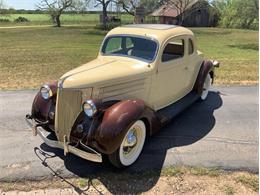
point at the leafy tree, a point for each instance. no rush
(56, 7)
(238, 13)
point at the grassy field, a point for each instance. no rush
(32, 56)
(67, 19)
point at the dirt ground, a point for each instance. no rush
(177, 182)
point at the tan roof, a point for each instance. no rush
(170, 10)
(160, 32)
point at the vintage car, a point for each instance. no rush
(143, 76)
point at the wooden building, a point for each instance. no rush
(197, 13)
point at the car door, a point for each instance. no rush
(169, 83)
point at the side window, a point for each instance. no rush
(191, 47)
(129, 43)
(113, 45)
(173, 50)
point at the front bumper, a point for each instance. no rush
(37, 129)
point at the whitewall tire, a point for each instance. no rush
(131, 146)
(206, 87)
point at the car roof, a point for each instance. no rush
(160, 32)
(151, 26)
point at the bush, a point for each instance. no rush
(21, 19)
(4, 20)
(110, 26)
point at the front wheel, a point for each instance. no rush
(206, 87)
(131, 146)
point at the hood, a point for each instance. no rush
(104, 69)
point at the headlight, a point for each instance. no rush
(46, 92)
(89, 108)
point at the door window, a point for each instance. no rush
(129, 43)
(173, 50)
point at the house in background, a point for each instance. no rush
(166, 15)
(194, 14)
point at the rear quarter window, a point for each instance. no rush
(173, 50)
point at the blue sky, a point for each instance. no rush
(21, 4)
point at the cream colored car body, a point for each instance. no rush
(157, 83)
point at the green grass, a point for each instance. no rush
(237, 51)
(32, 56)
(205, 171)
(229, 190)
(251, 181)
(66, 19)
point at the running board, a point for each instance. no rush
(168, 113)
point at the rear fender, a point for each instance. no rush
(206, 68)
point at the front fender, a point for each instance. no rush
(42, 107)
(115, 123)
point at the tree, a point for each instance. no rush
(104, 4)
(56, 7)
(130, 5)
(238, 13)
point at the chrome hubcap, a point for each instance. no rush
(130, 141)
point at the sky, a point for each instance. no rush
(21, 4)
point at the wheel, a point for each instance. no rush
(206, 87)
(131, 146)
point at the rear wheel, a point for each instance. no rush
(131, 146)
(206, 87)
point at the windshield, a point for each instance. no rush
(130, 46)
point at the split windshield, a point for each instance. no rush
(136, 47)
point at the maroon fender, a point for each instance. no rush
(42, 107)
(115, 123)
(206, 67)
(108, 128)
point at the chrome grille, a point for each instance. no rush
(67, 109)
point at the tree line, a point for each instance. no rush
(230, 13)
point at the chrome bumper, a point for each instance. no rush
(95, 156)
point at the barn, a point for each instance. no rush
(197, 13)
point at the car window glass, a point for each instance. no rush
(129, 46)
(191, 47)
(173, 50)
(129, 43)
(114, 45)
